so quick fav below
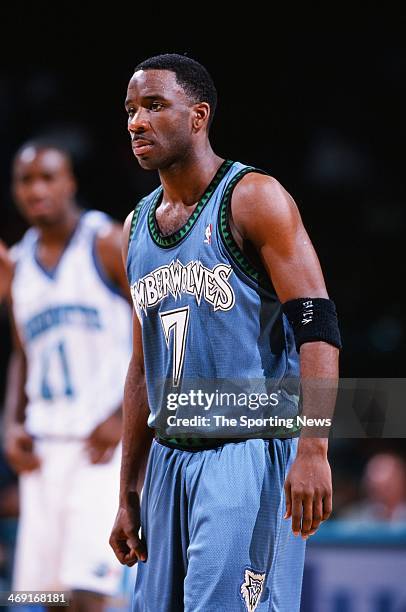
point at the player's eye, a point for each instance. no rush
(130, 112)
(156, 106)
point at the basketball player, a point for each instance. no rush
(63, 406)
(221, 270)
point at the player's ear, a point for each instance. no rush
(200, 117)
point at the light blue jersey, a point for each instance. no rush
(212, 514)
(207, 313)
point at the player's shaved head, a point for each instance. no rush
(190, 74)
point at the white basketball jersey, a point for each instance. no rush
(76, 331)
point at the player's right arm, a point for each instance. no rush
(18, 444)
(137, 438)
(6, 271)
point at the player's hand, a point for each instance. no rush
(6, 270)
(308, 491)
(19, 449)
(102, 442)
(124, 539)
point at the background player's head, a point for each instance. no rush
(171, 101)
(43, 182)
(385, 481)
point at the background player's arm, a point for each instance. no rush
(6, 271)
(102, 441)
(109, 251)
(18, 444)
(137, 438)
(266, 216)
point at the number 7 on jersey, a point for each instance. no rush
(178, 321)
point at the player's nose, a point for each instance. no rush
(38, 188)
(139, 121)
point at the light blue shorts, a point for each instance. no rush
(215, 533)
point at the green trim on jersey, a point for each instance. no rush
(167, 242)
(135, 218)
(225, 231)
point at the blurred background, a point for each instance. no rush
(317, 99)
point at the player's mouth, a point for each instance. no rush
(39, 206)
(141, 146)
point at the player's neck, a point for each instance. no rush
(60, 231)
(186, 180)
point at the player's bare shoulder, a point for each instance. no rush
(109, 243)
(125, 235)
(109, 238)
(260, 204)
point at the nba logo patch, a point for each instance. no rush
(251, 589)
(207, 233)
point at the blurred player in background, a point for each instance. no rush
(383, 487)
(71, 324)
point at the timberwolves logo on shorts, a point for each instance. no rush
(251, 589)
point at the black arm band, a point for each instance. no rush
(313, 320)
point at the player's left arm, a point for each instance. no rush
(108, 248)
(266, 216)
(104, 438)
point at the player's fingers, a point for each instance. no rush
(22, 461)
(288, 498)
(307, 517)
(120, 548)
(31, 462)
(296, 512)
(99, 454)
(25, 442)
(317, 514)
(107, 455)
(327, 506)
(124, 546)
(138, 547)
(95, 453)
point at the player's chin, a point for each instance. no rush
(41, 219)
(147, 161)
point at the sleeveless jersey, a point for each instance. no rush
(206, 312)
(76, 331)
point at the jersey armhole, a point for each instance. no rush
(134, 220)
(223, 221)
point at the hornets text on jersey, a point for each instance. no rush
(70, 319)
